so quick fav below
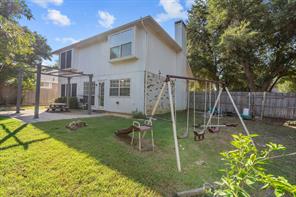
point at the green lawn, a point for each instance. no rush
(47, 159)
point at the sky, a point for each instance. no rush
(63, 22)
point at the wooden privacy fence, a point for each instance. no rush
(262, 104)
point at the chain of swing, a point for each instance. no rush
(200, 128)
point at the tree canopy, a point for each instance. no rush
(20, 48)
(250, 45)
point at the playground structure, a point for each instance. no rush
(199, 130)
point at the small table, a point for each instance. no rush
(55, 107)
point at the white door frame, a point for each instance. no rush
(99, 106)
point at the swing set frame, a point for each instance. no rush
(167, 83)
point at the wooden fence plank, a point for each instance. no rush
(276, 105)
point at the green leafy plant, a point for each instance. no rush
(73, 102)
(138, 114)
(244, 170)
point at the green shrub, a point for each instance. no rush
(61, 100)
(244, 170)
(138, 114)
(73, 102)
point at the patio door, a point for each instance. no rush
(101, 95)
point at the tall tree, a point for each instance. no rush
(247, 44)
(19, 46)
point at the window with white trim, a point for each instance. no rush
(73, 89)
(121, 44)
(120, 87)
(85, 92)
(66, 59)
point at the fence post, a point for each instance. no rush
(262, 105)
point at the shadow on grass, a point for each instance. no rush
(12, 134)
(156, 170)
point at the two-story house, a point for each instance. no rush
(128, 64)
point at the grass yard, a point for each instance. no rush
(45, 158)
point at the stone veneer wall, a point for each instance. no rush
(153, 86)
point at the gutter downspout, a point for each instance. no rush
(145, 64)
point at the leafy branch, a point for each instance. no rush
(245, 170)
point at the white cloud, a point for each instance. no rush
(106, 19)
(48, 62)
(189, 3)
(66, 40)
(44, 3)
(57, 18)
(172, 10)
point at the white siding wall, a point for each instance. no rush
(164, 59)
(94, 59)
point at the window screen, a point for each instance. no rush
(63, 90)
(69, 59)
(120, 87)
(121, 44)
(74, 90)
(66, 59)
(63, 60)
(115, 52)
(126, 49)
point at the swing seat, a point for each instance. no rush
(246, 117)
(200, 134)
(213, 129)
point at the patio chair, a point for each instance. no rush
(142, 130)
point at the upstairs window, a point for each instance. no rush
(66, 59)
(120, 87)
(121, 44)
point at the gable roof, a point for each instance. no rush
(148, 22)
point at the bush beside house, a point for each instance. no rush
(73, 103)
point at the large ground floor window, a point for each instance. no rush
(85, 92)
(120, 87)
(73, 90)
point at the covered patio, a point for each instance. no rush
(27, 115)
(39, 70)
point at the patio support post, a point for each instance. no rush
(37, 92)
(68, 91)
(19, 90)
(89, 94)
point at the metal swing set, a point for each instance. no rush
(198, 130)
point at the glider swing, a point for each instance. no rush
(198, 130)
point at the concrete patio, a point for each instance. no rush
(27, 115)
